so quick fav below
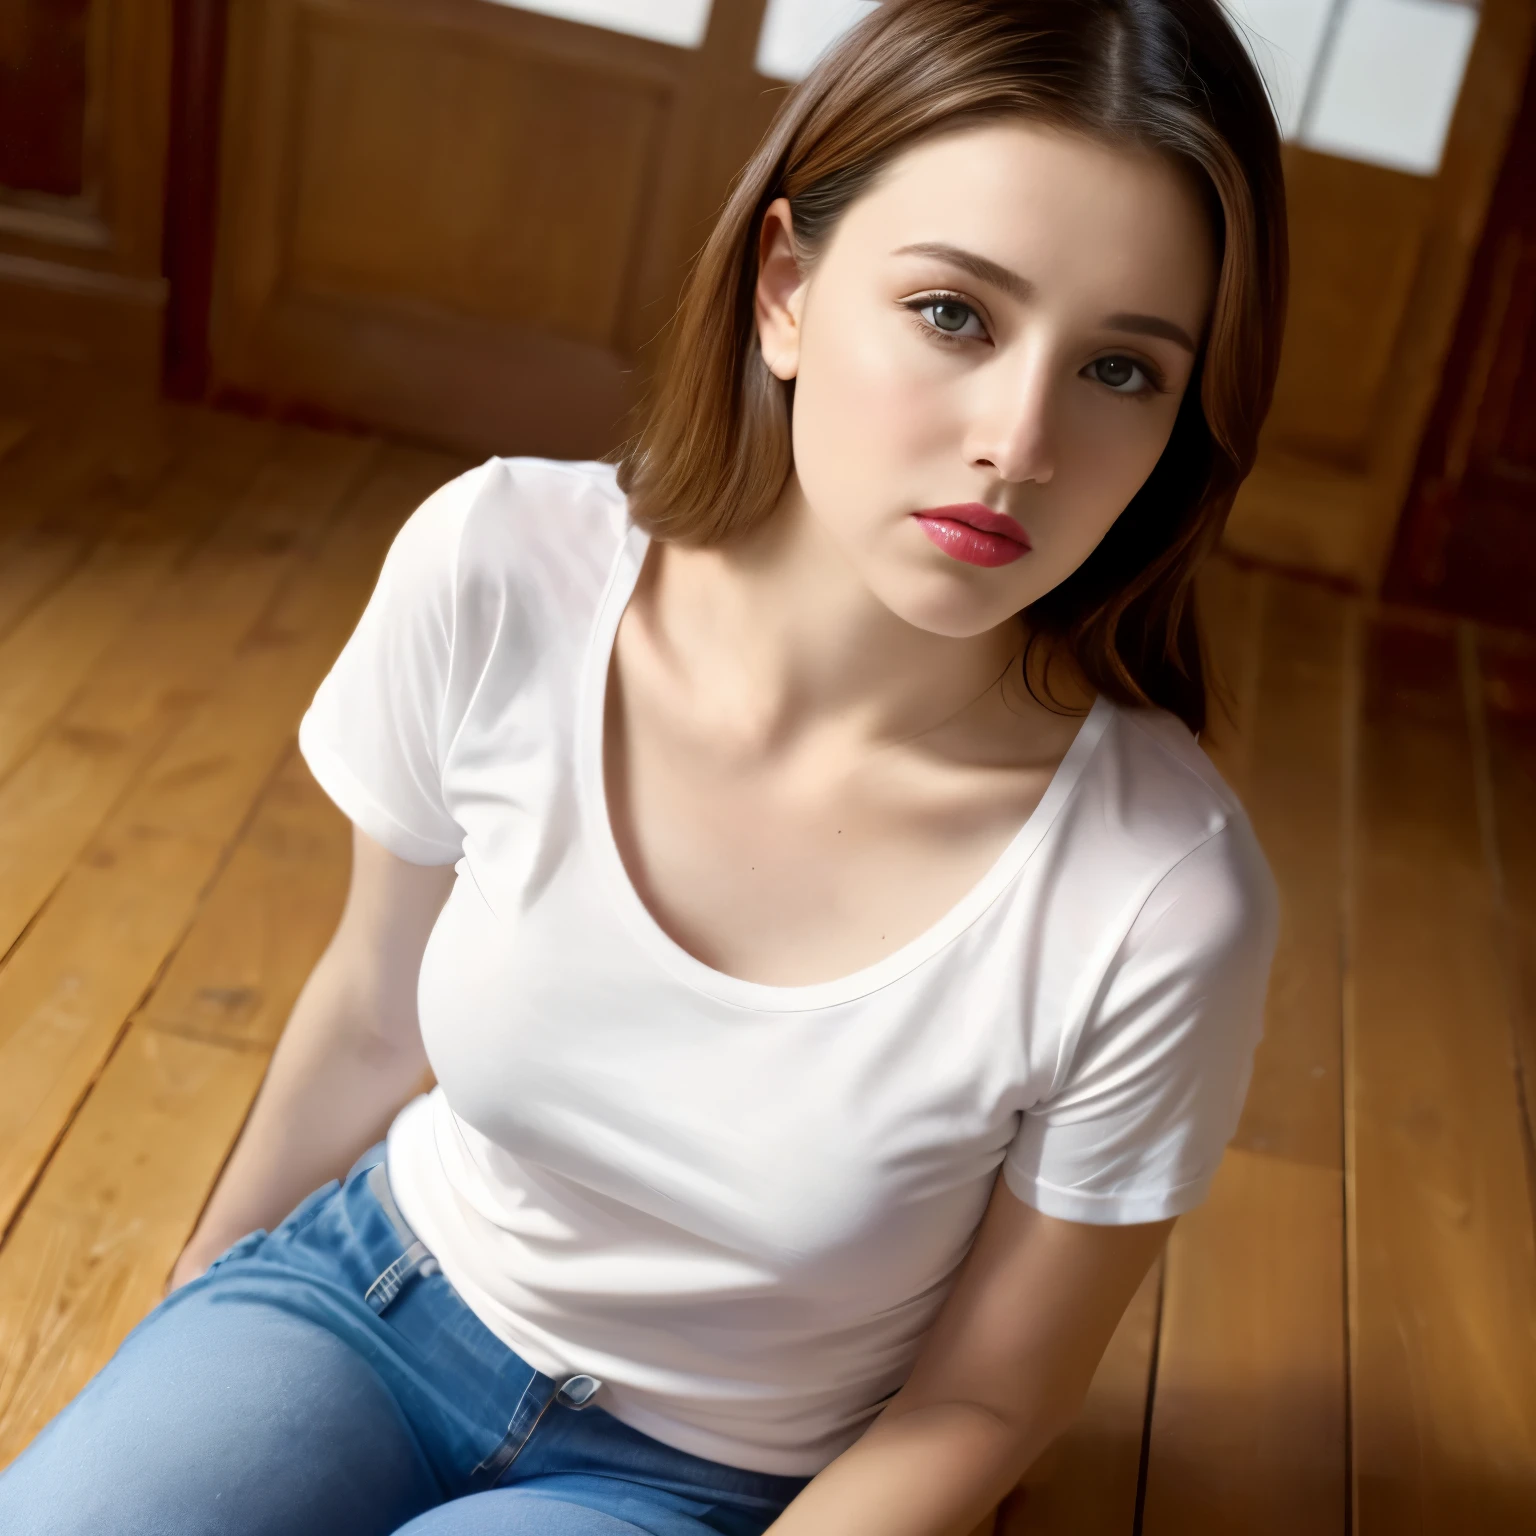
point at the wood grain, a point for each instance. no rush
(162, 664)
(467, 222)
(1505, 668)
(114, 1207)
(265, 923)
(90, 1253)
(1355, 235)
(1444, 1282)
(54, 648)
(1248, 1426)
(92, 284)
(70, 984)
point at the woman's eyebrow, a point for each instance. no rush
(982, 267)
(1020, 288)
(1151, 325)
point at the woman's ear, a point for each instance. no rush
(780, 292)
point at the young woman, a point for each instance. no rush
(838, 961)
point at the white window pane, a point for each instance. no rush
(680, 22)
(797, 32)
(1285, 38)
(1391, 82)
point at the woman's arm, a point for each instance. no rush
(349, 1056)
(1003, 1371)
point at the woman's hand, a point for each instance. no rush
(1002, 1372)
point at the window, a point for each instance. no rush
(679, 22)
(797, 32)
(1373, 80)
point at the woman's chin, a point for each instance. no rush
(952, 604)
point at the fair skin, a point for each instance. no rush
(816, 738)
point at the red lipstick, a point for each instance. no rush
(974, 533)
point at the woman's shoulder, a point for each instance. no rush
(1153, 799)
(515, 512)
(535, 537)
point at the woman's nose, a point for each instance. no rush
(1013, 432)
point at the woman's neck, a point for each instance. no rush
(779, 638)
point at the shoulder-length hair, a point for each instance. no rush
(1171, 76)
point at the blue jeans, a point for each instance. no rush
(326, 1380)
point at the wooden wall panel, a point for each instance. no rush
(80, 263)
(1356, 234)
(464, 221)
(42, 95)
(525, 193)
(1381, 262)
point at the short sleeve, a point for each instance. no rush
(1154, 1088)
(374, 737)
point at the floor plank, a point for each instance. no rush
(1248, 1423)
(162, 663)
(174, 1096)
(91, 1251)
(1444, 1275)
(53, 649)
(61, 487)
(265, 923)
(67, 989)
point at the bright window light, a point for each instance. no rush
(1285, 38)
(1390, 83)
(797, 32)
(679, 22)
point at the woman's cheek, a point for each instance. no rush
(860, 407)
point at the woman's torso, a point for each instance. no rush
(737, 1204)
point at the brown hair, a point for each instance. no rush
(1168, 75)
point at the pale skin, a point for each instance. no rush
(816, 737)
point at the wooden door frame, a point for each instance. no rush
(199, 31)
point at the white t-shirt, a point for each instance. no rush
(737, 1205)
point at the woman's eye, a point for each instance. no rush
(1121, 375)
(951, 317)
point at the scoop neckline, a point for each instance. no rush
(592, 793)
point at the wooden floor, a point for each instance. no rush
(1342, 1339)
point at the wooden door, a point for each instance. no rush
(82, 189)
(1468, 536)
(464, 220)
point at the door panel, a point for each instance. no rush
(462, 219)
(524, 202)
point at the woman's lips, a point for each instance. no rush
(974, 533)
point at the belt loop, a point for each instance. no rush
(416, 1260)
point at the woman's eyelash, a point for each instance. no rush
(926, 301)
(1156, 383)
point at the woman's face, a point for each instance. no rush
(989, 355)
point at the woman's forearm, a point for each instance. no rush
(333, 1086)
(930, 1471)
